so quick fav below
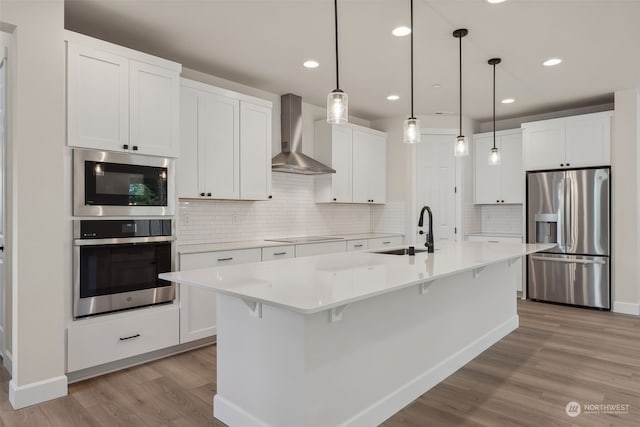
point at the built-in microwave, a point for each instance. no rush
(119, 184)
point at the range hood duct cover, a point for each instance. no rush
(291, 159)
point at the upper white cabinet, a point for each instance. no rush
(359, 156)
(576, 141)
(503, 183)
(119, 99)
(225, 144)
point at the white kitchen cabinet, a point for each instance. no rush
(255, 151)
(385, 242)
(198, 306)
(568, 142)
(100, 340)
(503, 183)
(278, 252)
(517, 266)
(359, 156)
(225, 148)
(119, 99)
(309, 249)
(369, 166)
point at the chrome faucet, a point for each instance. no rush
(429, 240)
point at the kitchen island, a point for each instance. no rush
(349, 339)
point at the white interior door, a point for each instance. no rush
(436, 185)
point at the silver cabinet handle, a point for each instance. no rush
(386, 243)
(129, 337)
(569, 260)
(493, 241)
(225, 259)
(358, 246)
(280, 253)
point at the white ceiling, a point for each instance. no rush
(263, 43)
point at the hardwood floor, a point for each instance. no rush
(559, 354)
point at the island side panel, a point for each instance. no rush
(289, 369)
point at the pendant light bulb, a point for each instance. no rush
(494, 157)
(461, 147)
(337, 100)
(411, 131)
(337, 107)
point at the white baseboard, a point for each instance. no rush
(7, 361)
(231, 414)
(626, 308)
(38, 392)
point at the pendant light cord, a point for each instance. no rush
(335, 10)
(494, 106)
(460, 134)
(412, 59)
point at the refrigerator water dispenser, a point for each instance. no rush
(546, 228)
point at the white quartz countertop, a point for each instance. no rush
(228, 246)
(317, 283)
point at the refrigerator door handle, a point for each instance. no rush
(568, 260)
(570, 212)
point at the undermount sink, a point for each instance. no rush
(398, 251)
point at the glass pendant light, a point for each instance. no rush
(337, 100)
(461, 147)
(411, 126)
(494, 154)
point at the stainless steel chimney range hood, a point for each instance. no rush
(291, 159)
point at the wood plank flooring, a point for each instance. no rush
(559, 354)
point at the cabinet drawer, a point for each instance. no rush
(385, 242)
(103, 341)
(220, 258)
(494, 239)
(278, 252)
(357, 245)
(320, 248)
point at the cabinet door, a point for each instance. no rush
(363, 165)
(378, 170)
(588, 140)
(487, 178)
(341, 152)
(218, 146)
(511, 170)
(187, 162)
(544, 145)
(255, 151)
(154, 103)
(97, 99)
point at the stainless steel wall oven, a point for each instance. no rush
(117, 262)
(119, 184)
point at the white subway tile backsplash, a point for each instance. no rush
(388, 218)
(291, 212)
(493, 218)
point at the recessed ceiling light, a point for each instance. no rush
(495, 1)
(508, 101)
(393, 97)
(311, 64)
(551, 62)
(401, 31)
(437, 85)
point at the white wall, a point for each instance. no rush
(36, 148)
(625, 159)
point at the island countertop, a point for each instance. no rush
(313, 284)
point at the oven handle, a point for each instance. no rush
(122, 240)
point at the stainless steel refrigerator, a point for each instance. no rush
(570, 208)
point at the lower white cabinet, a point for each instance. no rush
(385, 242)
(278, 252)
(517, 266)
(198, 306)
(320, 248)
(96, 341)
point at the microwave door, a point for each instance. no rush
(546, 213)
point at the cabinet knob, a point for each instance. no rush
(561, 164)
(125, 146)
(201, 194)
(208, 194)
(568, 164)
(270, 196)
(135, 148)
(497, 201)
(501, 201)
(334, 199)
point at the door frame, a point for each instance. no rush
(415, 179)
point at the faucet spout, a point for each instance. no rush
(429, 240)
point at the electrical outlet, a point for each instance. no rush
(185, 219)
(234, 219)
